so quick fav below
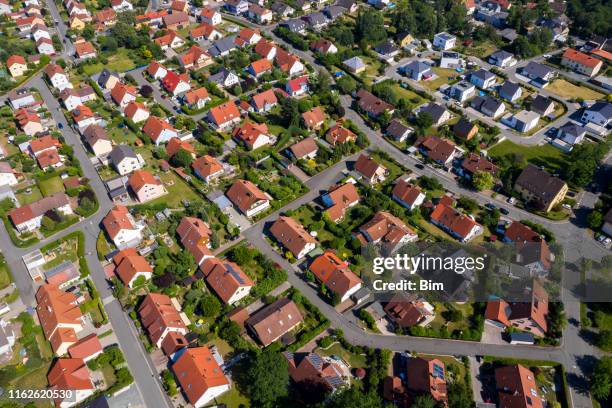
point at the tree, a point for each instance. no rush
(604, 340)
(424, 401)
(266, 377)
(595, 219)
(47, 223)
(467, 204)
(601, 380)
(146, 91)
(182, 158)
(210, 306)
(370, 27)
(346, 84)
(482, 180)
(424, 120)
(355, 398)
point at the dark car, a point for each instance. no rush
(490, 206)
(504, 211)
(419, 166)
(60, 125)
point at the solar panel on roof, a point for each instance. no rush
(235, 274)
(334, 381)
(316, 360)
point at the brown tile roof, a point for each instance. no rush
(452, 219)
(196, 95)
(263, 47)
(314, 118)
(224, 277)
(499, 311)
(274, 320)
(116, 220)
(475, 163)
(86, 347)
(173, 342)
(406, 311)
(367, 166)
(372, 104)
(334, 273)
(197, 371)
(157, 314)
(69, 374)
(291, 234)
(175, 144)
(310, 368)
(264, 98)
(515, 384)
(141, 178)
(539, 183)
(439, 150)
(128, 263)
(57, 308)
(244, 194)
(195, 237)
(339, 134)
(29, 211)
(386, 228)
(406, 192)
(304, 148)
(422, 376)
(343, 197)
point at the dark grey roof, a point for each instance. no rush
(537, 70)
(281, 8)
(463, 127)
(295, 24)
(416, 66)
(315, 19)
(333, 12)
(436, 111)
(501, 55)
(222, 45)
(483, 74)
(539, 183)
(347, 4)
(385, 48)
(105, 75)
(541, 104)
(486, 103)
(121, 152)
(603, 108)
(572, 129)
(397, 129)
(508, 89)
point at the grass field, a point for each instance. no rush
(50, 186)
(355, 360)
(481, 50)
(443, 78)
(176, 192)
(545, 155)
(568, 90)
(119, 62)
(412, 98)
(5, 275)
(25, 198)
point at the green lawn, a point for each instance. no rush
(443, 78)
(119, 62)
(545, 155)
(66, 253)
(50, 186)
(25, 198)
(177, 192)
(5, 275)
(355, 360)
(568, 90)
(411, 97)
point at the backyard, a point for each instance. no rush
(50, 186)
(568, 90)
(545, 155)
(119, 62)
(444, 76)
(336, 349)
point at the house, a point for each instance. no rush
(314, 119)
(59, 316)
(281, 9)
(176, 21)
(259, 67)
(125, 160)
(57, 77)
(517, 387)
(222, 47)
(580, 62)
(225, 78)
(136, 111)
(288, 63)
(407, 311)
(540, 188)
(160, 315)
(29, 121)
(117, 189)
(407, 194)
(311, 369)
(210, 16)
(207, 168)
(477, 164)
(305, 149)
(194, 58)
(266, 49)
(334, 12)
(458, 225)
(465, 129)
(84, 49)
(510, 91)
(236, 6)
(540, 74)
(386, 51)
(16, 65)
(542, 105)
(105, 18)
(176, 84)
(248, 198)
(339, 199)
(98, 141)
(122, 94)
(195, 236)
(462, 91)
(21, 98)
(489, 106)
(107, 79)
(354, 65)
(247, 36)
(532, 251)
(338, 134)
(87, 348)
(5, 7)
(444, 41)
(427, 376)
(350, 5)
(224, 116)
(387, 230)
(297, 86)
(373, 105)
(295, 25)
(70, 374)
(439, 114)
(159, 130)
(259, 14)
(571, 133)
(197, 98)
(316, 21)
(370, 170)
(272, 322)
(7, 175)
(398, 131)
(169, 40)
(28, 218)
(43, 144)
(450, 60)
(502, 59)
(335, 274)
(121, 5)
(131, 267)
(146, 186)
(121, 228)
(199, 375)
(323, 46)
(607, 225)
(72, 98)
(252, 135)
(45, 46)
(179, 5)
(226, 279)
(483, 79)
(205, 32)
(156, 70)
(83, 116)
(292, 236)
(523, 121)
(599, 113)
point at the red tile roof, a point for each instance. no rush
(86, 347)
(260, 66)
(158, 314)
(224, 277)
(343, 197)
(207, 166)
(244, 194)
(334, 273)
(142, 178)
(581, 58)
(195, 237)
(69, 374)
(291, 234)
(314, 118)
(249, 132)
(452, 219)
(175, 144)
(116, 220)
(128, 263)
(224, 113)
(517, 387)
(406, 192)
(197, 371)
(56, 310)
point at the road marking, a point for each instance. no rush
(107, 300)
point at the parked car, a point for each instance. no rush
(504, 211)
